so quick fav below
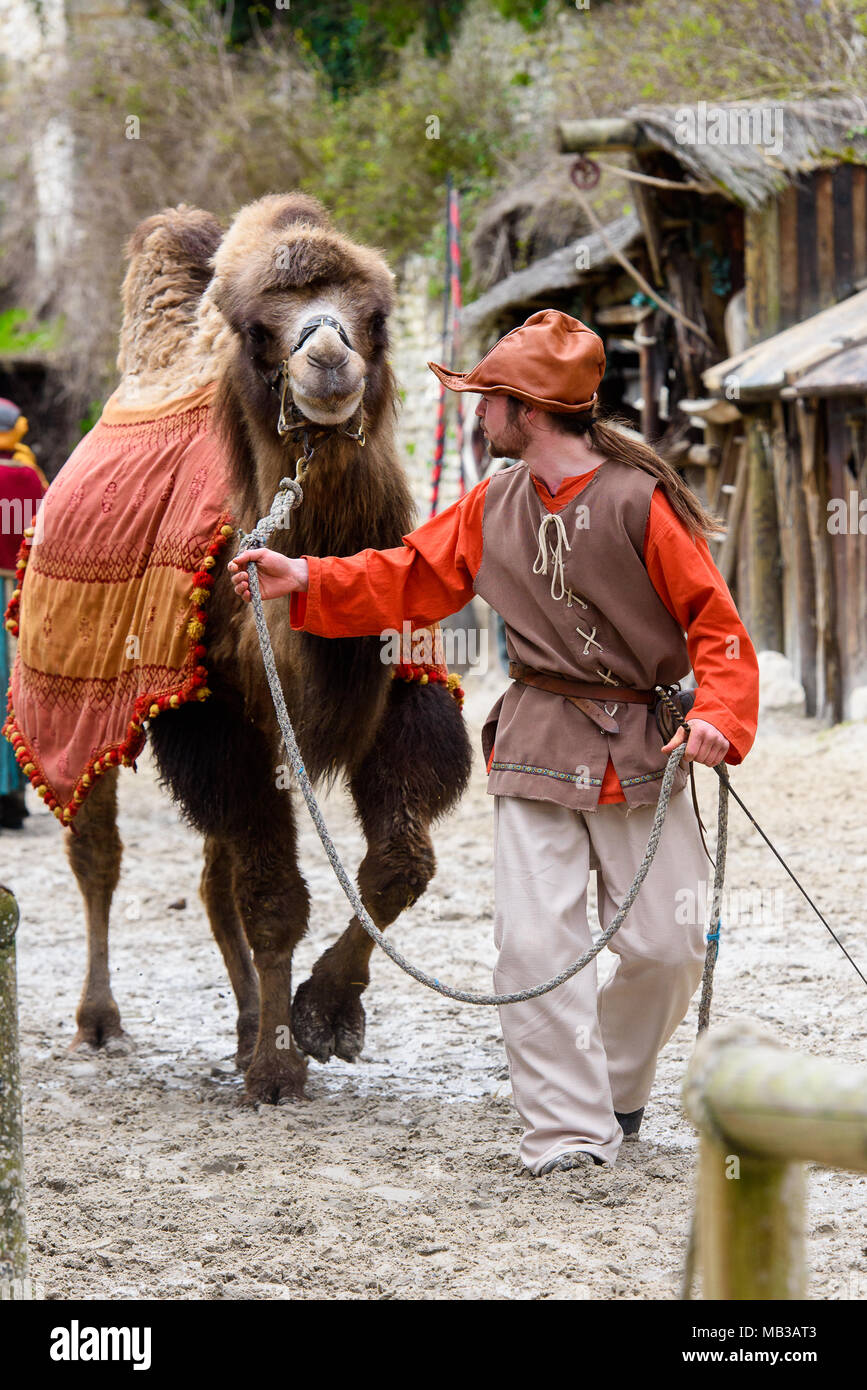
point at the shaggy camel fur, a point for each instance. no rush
(401, 747)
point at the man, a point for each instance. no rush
(22, 486)
(594, 552)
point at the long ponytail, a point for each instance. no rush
(606, 438)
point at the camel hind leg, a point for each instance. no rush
(218, 894)
(94, 853)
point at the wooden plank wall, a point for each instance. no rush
(805, 249)
(846, 432)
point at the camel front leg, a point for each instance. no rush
(94, 853)
(273, 903)
(327, 1013)
(415, 771)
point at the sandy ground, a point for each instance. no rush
(150, 1178)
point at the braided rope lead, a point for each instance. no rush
(719, 874)
(279, 515)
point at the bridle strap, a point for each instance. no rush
(323, 320)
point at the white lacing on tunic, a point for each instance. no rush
(558, 582)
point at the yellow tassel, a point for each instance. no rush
(199, 596)
(153, 711)
(195, 628)
(227, 531)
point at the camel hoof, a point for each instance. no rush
(106, 1037)
(268, 1082)
(327, 1025)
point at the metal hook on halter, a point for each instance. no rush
(283, 425)
(358, 434)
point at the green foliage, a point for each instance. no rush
(89, 418)
(17, 340)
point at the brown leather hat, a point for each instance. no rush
(552, 361)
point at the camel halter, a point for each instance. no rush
(291, 418)
(558, 582)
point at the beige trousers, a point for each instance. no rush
(575, 1055)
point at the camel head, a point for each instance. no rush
(308, 310)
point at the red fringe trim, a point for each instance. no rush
(408, 671)
(146, 706)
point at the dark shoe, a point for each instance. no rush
(631, 1123)
(577, 1158)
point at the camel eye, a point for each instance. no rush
(257, 334)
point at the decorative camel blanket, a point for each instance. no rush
(118, 569)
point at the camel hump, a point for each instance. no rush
(182, 238)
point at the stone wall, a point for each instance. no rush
(416, 339)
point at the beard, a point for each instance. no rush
(509, 443)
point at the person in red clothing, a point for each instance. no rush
(595, 553)
(22, 487)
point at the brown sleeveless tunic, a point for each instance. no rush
(577, 602)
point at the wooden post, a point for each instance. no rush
(764, 565)
(762, 1112)
(13, 1231)
(813, 482)
(751, 1225)
(728, 552)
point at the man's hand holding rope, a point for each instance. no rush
(278, 575)
(705, 745)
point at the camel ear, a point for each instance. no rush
(299, 207)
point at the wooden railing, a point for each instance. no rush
(762, 1112)
(13, 1230)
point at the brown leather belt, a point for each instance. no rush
(582, 694)
(561, 685)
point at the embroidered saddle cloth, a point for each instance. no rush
(110, 604)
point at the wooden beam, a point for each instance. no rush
(787, 204)
(842, 193)
(604, 133)
(616, 315)
(825, 237)
(859, 222)
(729, 549)
(763, 556)
(829, 701)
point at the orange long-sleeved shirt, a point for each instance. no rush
(432, 575)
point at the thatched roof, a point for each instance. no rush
(529, 220)
(750, 170)
(552, 274)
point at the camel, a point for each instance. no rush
(282, 286)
